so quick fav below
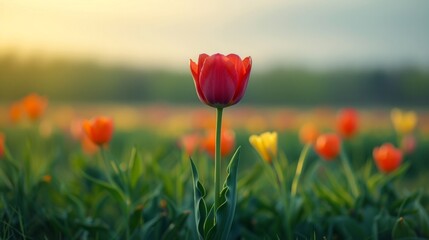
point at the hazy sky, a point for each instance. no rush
(320, 33)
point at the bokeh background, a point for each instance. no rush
(305, 53)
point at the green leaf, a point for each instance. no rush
(176, 226)
(116, 192)
(200, 208)
(225, 212)
(149, 227)
(136, 218)
(402, 229)
(135, 167)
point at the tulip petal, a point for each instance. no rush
(201, 60)
(195, 74)
(218, 80)
(244, 79)
(194, 68)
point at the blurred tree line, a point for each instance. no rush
(86, 81)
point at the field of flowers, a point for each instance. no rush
(180, 172)
(56, 184)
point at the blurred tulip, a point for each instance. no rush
(189, 143)
(99, 130)
(2, 147)
(76, 130)
(15, 112)
(408, 144)
(308, 133)
(347, 122)
(88, 146)
(387, 157)
(221, 80)
(227, 142)
(328, 146)
(403, 122)
(266, 145)
(34, 106)
(47, 178)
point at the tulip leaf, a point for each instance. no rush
(209, 223)
(175, 227)
(225, 212)
(135, 167)
(200, 207)
(402, 229)
(116, 192)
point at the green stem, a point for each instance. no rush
(218, 156)
(349, 174)
(299, 168)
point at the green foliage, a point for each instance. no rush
(216, 224)
(148, 192)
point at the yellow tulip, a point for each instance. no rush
(266, 145)
(403, 122)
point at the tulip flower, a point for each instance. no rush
(328, 146)
(347, 122)
(227, 143)
(34, 106)
(15, 112)
(403, 122)
(220, 81)
(266, 145)
(387, 157)
(88, 146)
(308, 133)
(189, 143)
(99, 130)
(2, 147)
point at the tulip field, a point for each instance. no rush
(218, 172)
(57, 184)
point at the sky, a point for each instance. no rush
(167, 33)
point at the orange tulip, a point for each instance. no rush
(227, 142)
(2, 148)
(347, 122)
(189, 143)
(308, 133)
(328, 146)
(15, 112)
(34, 105)
(387, 157)
(88, 146)
(99, 130)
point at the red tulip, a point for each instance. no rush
(99, 130)
(387, 157)
(328, 146)
(347, 122)
(221, 80)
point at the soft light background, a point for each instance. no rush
(166, 34)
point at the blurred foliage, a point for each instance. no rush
(145, 192)
(84, 81)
